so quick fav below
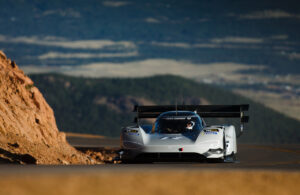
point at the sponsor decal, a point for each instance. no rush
(132, 132)
(211, 132)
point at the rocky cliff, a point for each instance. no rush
(28, 131)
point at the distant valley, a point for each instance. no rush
(251, 48)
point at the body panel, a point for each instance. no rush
(136, 141)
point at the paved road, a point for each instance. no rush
(259, 156)
(250, 156)
(77, 141)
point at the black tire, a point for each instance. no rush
(230, 158)
(215, 160)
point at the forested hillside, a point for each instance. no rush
(103, 106)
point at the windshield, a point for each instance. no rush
(178, 124)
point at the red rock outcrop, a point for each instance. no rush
(28, 131)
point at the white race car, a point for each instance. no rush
(180, 133)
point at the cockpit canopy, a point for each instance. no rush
(178, 122)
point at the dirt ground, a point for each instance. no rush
(154, 182)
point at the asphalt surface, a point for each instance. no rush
(280, 157)
(249, 156)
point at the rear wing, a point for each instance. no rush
(205, 111)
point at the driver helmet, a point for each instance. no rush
(190, 125)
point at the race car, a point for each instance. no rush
(180, 133)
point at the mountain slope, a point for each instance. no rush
(103, 106)
(28, 131)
